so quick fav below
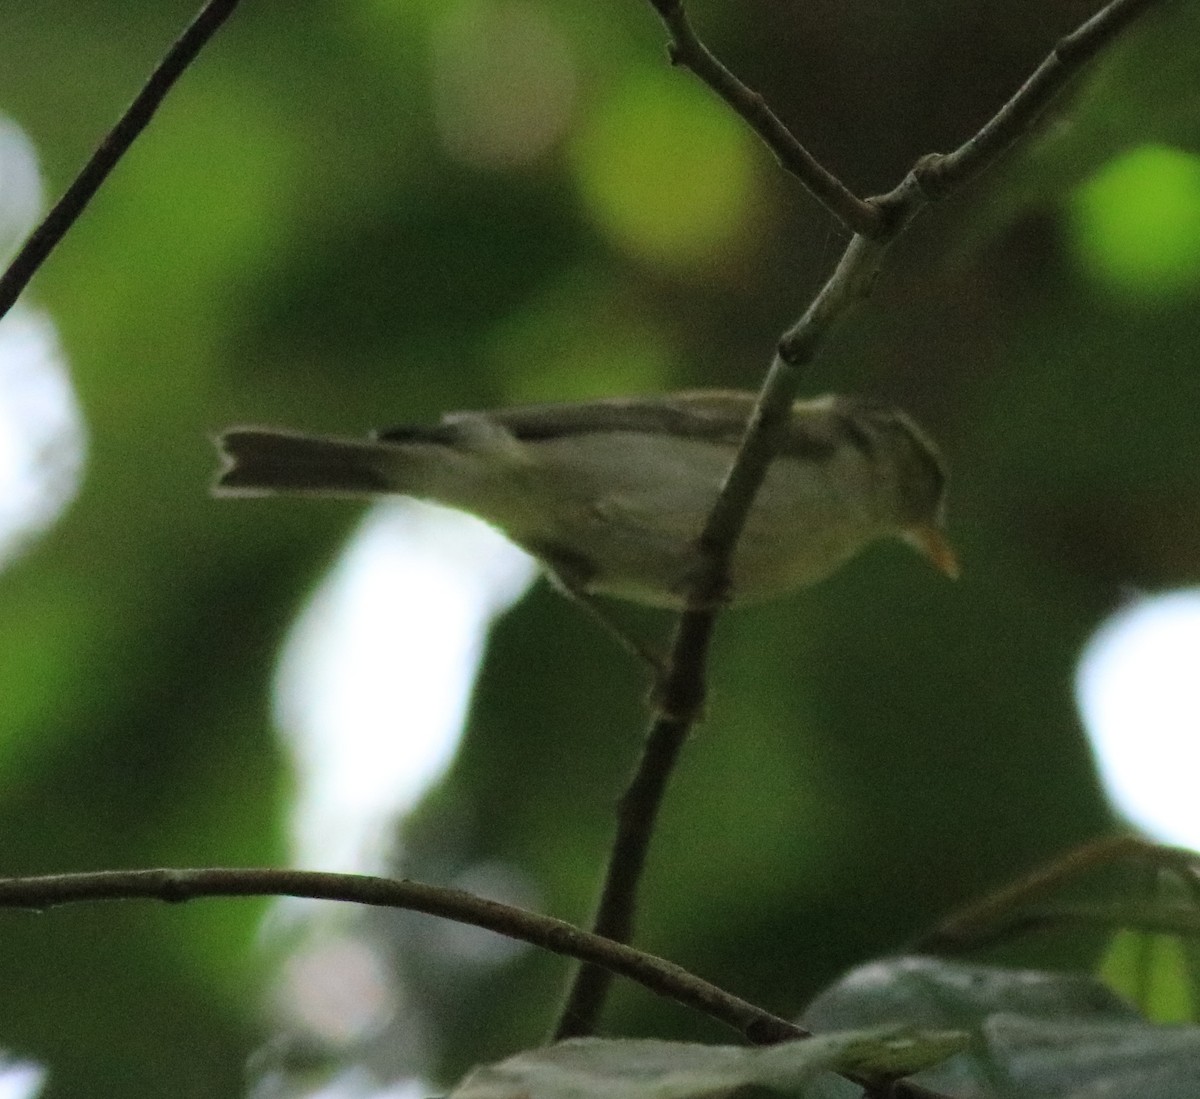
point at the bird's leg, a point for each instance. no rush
(573, 588)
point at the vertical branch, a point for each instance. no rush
(176, 886)
(65, 212)
(681, 693)
(680, 696)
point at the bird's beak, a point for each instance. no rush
(930, 541)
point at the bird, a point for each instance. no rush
(611, 494)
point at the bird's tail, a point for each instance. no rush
(261, 461)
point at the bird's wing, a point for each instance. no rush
(711, 415)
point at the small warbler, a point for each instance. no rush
(612, 494)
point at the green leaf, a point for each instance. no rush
(1035, 1035)
(1151, 970)
(601, 1069)
(932, 992)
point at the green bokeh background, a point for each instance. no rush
(331, 224)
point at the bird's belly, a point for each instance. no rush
(651, 556)
(617, 516)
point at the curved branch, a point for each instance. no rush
(1003, 912)
(174, 886)
(65, 212)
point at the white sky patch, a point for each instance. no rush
(375, 678)
(358, 1084)
(41, 428)
(20, 187)
(1138, 689)
(20, 1079)
(504, 81)
(41, 431)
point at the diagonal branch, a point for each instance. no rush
(940, 174)
(1005, 911)
(686, 49)
(43, 240)
(681, 693)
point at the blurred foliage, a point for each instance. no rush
(1033, 1034)
(339, 219)
(1137, 222)
(1153, 970)
(649, 1069)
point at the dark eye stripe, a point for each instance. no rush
(431, 433)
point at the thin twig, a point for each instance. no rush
(660, 976)
(636, 815)
(973, 920)
(43, 240)
(940, 174)
(1005, 911)
(1179, 920)
(687, 50)
(681, 695)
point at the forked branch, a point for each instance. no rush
(174, 886)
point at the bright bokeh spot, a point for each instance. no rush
(1151, 972)
(371, 694)
(20, 1079)
(664, 169)
(1136, 222)
(337, 987)
(503, 81)
(20, 187)
(1138, 689)
(579, 338)
(41, 431)
(357, 1083)
(374, 681)
(41, 427)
